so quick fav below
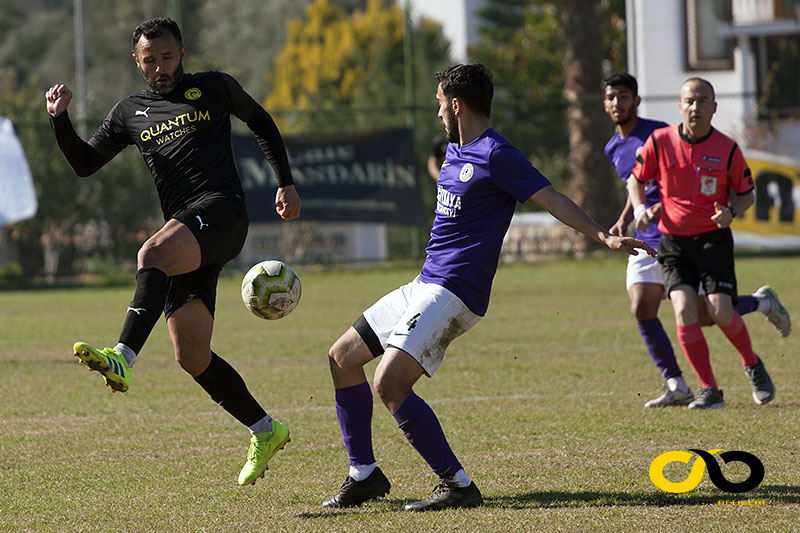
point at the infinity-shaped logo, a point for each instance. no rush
(706, 459)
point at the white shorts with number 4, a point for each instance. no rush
(422, 319)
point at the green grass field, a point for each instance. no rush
(542, 402)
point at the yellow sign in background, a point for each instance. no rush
(777, 207)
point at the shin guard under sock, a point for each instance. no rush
(145, 308)
(354, 411)
(695, 347)
(226, 387)
(423, 431)
(737, 334)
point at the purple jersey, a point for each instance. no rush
(622, 154)
(479, 186)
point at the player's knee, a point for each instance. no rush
(190, 363)
(153, 253)
(386, 389)
(721, 317)
(338, 355)
(148, 254)
(643, 310)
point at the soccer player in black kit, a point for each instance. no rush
(181, 125)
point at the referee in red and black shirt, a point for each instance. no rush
(705, 183)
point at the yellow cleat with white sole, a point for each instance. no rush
(110, 363)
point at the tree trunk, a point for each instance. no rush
(593, 185)
(51, 250)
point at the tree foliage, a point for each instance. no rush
(346, 71)
(341, 70)
(77, 217)
(83, 222)
(524, 42)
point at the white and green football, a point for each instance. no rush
(271, 289)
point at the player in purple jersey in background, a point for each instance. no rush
(644, 277)
(436, 157)
(481, 180)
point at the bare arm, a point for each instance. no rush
(434, 167)
(573, 216)
(620, 227)
(637, 197)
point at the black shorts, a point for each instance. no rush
(220, 226)
(692, 259)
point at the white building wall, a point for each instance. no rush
(657, 57)
(458, 18)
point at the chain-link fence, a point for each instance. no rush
(521, 40)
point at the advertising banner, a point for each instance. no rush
(365, 177)
(773, 223)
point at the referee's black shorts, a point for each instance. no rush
(692, 259)
(219, 223)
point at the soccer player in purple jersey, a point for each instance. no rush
(481, 180)
(644, 277)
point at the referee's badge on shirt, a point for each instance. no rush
(708, 185)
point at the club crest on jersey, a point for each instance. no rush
(467, 171)
(193, 93)
(708, 185)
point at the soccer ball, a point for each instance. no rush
(271, 289)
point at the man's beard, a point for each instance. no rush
(451, 129)
(176, 76)
(623, 120)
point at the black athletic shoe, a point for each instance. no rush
(763, 389)
(709, 398)
(353, 493)
(448, 494)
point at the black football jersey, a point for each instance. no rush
(184, 136)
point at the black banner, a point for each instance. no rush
(366, 177)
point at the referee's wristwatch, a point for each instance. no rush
(733, 211)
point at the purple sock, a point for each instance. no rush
(423, 431)
(659, 347)
(747, 303)
(354, 410)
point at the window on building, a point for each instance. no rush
(705, 48)
(779, 88)
(787, 8)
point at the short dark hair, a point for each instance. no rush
(624, 79)
(154, 28)
(701, 80)
(470, 83)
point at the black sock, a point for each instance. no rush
(145, 309)
(226, 387)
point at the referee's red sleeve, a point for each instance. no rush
(646, 166)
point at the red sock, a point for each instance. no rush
(695, 347)
(737, 334)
